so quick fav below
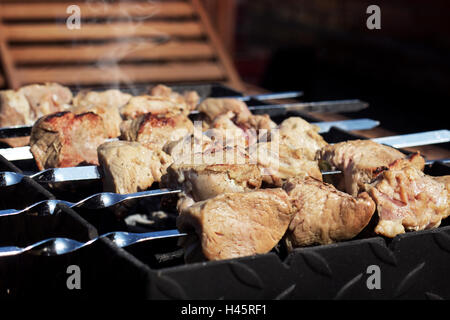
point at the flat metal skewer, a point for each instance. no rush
(107, 199)
(60, 246)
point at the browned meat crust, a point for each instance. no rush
(66, 140)
(156, 129)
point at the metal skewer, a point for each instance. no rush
(107, 199)
(60, 246)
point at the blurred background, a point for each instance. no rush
(322, 47)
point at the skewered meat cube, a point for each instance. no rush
(113, 97)
(214, 107)
(224, 131)
(27, 104)
(14, 109)
(361, 161)
(445, 180)
(66, 140)
(201, 182)
(323, 214)
(191, 98)
(184, 149)
(217, 170)
(106, 104)
(140, 105)
(46, 99)
(259, 122)
(296, 133)
(130, 167)
(279, 163)
(407, 199)
(156, 129)
(239, 224)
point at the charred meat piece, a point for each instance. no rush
(361, 161)
(130, 167)
(140, 105)
(66, 140)
(156, 129)
(407, 199)
(279, 163)
(239, 224)
(324, 215)
(106, 104)
(297, 133)
(190, 98)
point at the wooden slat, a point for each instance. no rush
(96, 10)
(7, 61)
(186, 72)
(128, 51)
(91, 31)
(221, 52)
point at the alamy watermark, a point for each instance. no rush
(74, 20)
(374, 280)
(74, 279)
(374, 20)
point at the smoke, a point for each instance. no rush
(128, 20)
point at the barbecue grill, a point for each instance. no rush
(131, 248)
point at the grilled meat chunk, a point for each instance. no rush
(130, 167)
(324, 215)
(27, 104)
(225, 132)
(106, 104)
(279, 163)
(113, 98)
(190, 98)
(361, 161)
(214, 171)
(46, 99)
(184, 149)
(201, 182)
(407, 199)
(297, 133)
(239, 224)
(144, 104)
(214, 107)
(14, 109)
(260, 122)
(156, 129)
(66, 140)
